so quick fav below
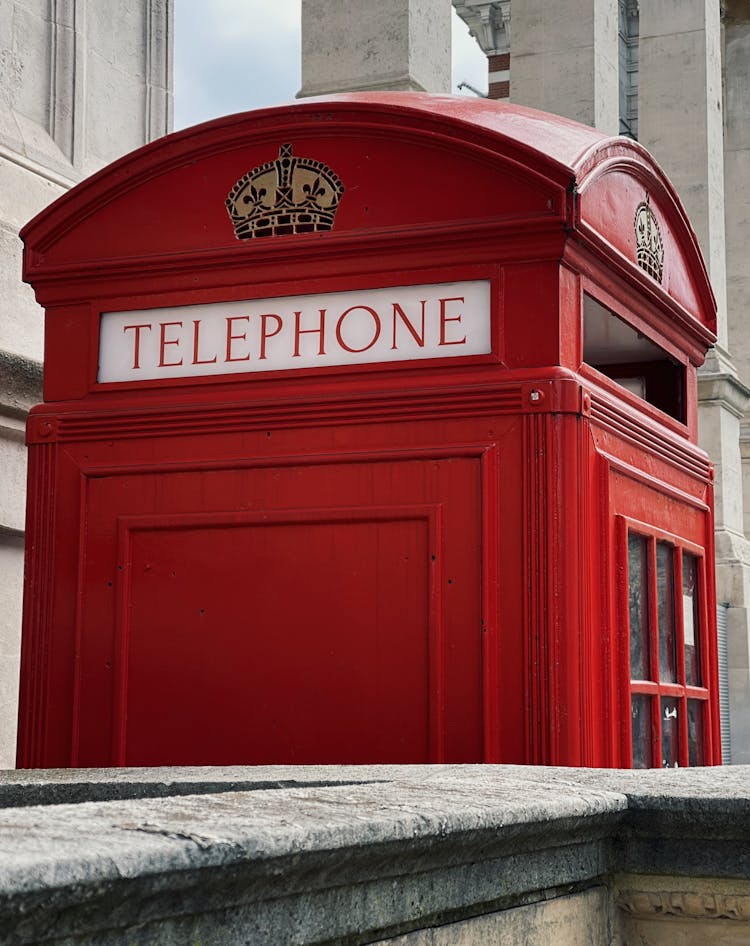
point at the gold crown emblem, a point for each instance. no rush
(288, 195)
(649, 247)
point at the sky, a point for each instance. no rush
(236, 55)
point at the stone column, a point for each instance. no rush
(565, 59)
(737, 220)
(360, 45)
(489, 24)
(680, 120)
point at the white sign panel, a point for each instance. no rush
(688, 604)
(365, 326)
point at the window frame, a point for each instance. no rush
(671, 400)
(656, 689)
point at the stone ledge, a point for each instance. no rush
(340, 854)
(22, 384)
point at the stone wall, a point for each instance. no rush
(404, 855)
(402, 45)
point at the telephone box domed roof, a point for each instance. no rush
(381, 168)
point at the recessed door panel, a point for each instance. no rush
(317, 613)
(284, 639)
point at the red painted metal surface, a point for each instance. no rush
(407, 562)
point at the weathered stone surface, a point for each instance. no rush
(22, 381)
(564, 58)
(11, 589)
(668, 910)
(578, 920)
(401, 45)
(737, 219)
(298, 865)
(24, 787)
(80, 84)
(410, 854)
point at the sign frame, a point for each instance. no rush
(492, 273)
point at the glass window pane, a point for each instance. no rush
(638, 602)
(670, 723)
(665, 597)
(695, 732)
(691, 619)
(641, 717)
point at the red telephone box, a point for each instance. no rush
(369, 435)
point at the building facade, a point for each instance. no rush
(81, 83)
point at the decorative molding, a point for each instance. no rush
(719, 384)
(22, 384)
(539, 497)
(488, 22)
(62, 74)
(68, 80)
(395, 81)
(251, 415)
(675, 450)
(158, 69)
(455, 242)
(38, 597)
(28, 164)
(68, 77)
(631, 8)
(685, 905)
(745, 437)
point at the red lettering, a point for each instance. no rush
(310, 331)
(453, 318)
(164, 341)
(236, 338)
(375, 337)
(196, 343)
(264, 334)
(398, 311)
(137, 341)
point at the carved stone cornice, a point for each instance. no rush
(686, 905)
(718, 382)
(22, 385)
(488, 22)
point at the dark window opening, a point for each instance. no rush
(636, 363)
(668, 696)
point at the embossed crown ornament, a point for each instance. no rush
(649, 247)
(288, 195)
